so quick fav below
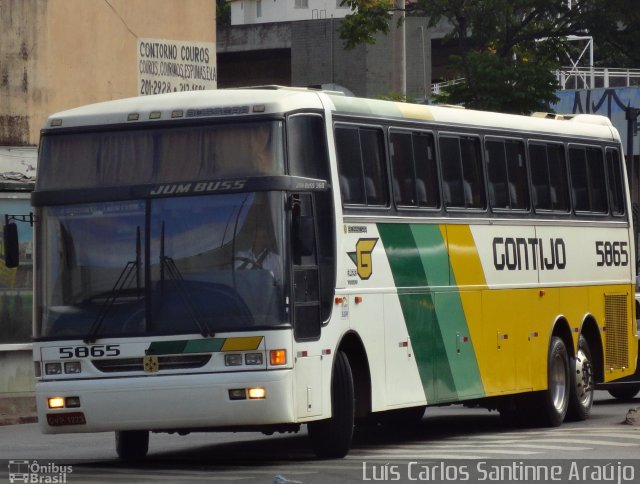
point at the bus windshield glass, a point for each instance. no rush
(165, 266)
(159, 155)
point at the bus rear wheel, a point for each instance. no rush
(331, 438)
(132, 444)
(555, 399)
(625, 393)
(581, 389)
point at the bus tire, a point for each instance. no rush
(627, 392)
(581, 388)
(132, 444)
(555, 399)
(331, 438)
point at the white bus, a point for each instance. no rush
(259, 259)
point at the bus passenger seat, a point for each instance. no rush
(422, 193)
(513, 196)
(541, 196)
(370, 187)
(344, 189)
(468, 193)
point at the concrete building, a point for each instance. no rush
(59, 54)
(311, 53)
(246, 12)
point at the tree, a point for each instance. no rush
(506, 50)
(223, 14)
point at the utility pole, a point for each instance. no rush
(399, 68)
(631, 115)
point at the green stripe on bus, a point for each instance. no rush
(432, 318)
(210, 345)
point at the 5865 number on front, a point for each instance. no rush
(95, 351)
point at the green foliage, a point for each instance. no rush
(497, 84)
(506, 49)
(360, 27)
(393, 96)
(223, 14)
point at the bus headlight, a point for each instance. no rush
(72, 367)
(53, 368)
(233, 359)
(253, 359)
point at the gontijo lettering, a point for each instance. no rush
(519, 253)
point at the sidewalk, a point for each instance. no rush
(17, 410)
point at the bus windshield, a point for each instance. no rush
(164, 266)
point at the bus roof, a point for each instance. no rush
(275, 99)
(595, 126)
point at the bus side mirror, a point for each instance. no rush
(11, 247)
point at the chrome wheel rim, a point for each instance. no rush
(584, 379)
(558, 382)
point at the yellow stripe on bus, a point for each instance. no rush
(414, 111)
(465, 262)
(242, 343)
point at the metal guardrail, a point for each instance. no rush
(578, 78)
(437, 87)
(597, 77)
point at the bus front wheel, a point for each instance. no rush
(331, 438)
(132, 444)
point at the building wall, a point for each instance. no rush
(318, 57)
(21, 30)
(59, 54)
(248, 12)
(56, 55)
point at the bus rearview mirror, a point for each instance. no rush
(11, 247)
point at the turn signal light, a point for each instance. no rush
(278, 357)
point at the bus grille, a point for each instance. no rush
(164, 363)
(616, 319)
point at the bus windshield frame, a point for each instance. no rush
(179, 265)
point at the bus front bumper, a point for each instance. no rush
(166, 402)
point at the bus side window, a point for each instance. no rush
(472, 171)
(462, 178)
(508, 186)
(548, 177)
(452, 191)
(361, 165)
(402, 168)
(349, 165)
(587, 179)
(597, 180)
(614, 180)
(557, 168)
(307, 146)
(373, 163)
(426, 170)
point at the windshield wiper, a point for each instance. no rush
(169, 264)
(130, 268)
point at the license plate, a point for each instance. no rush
(73, 418)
